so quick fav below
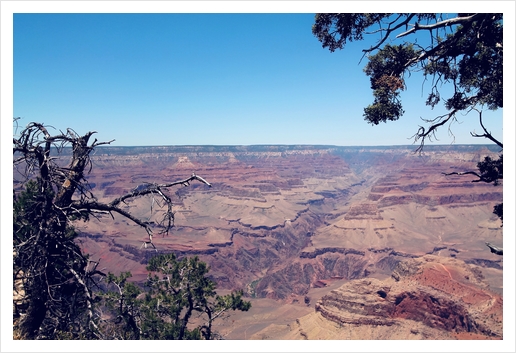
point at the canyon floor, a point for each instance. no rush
(327, 242)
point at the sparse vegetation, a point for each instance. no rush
(178, 291)
(57, 289)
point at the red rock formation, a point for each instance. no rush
(285, 217)
(440, 293)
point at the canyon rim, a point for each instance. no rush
(327, 242)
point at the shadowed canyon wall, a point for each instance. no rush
(281, 220)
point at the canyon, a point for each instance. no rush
(327, 242)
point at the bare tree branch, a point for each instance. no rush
(148, 188)
(449, 22)
(424, 134)
(389, 31)
(466, 173)
(494, 249)
(486, 134)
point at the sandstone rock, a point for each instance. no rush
(285, 218)
(441, 294)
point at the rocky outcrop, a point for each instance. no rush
(363, 211)
(314, 253)
(301, 275)
(389, 200)
(439, 293)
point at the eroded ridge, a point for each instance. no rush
(442, 297)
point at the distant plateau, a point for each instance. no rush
(342, 242)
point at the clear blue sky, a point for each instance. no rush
(225, 79)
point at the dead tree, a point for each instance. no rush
(49, 195)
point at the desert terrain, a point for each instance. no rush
(327, 242)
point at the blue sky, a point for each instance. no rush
(223, 79)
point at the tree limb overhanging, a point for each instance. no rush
(449, 22)
(463, 50)
(69, 181)
(494, 249)
(51, 193)
(486, 134)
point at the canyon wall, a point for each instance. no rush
(279, 221)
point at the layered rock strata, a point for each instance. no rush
(426, 298)
(281, 219)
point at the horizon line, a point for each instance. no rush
(301, 144)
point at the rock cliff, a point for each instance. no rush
(281, 221)
(426, 298)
